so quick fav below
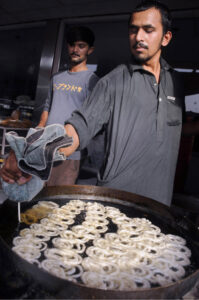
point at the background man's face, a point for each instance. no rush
(146, 34)
(78, 52)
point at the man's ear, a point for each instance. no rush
(166, 38)
(90, 50)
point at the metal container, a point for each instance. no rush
(133, 205)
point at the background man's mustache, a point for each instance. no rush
(140, 44)
(74, 53)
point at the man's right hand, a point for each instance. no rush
(71, 132)
(11, 173)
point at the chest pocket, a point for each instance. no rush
(174, 112)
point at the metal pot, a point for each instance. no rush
(131, 204)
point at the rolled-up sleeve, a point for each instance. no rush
(94, 114)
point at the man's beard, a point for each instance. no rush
(75, 62)
(142, 60)
(137, 59)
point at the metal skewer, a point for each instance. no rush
(19, 212)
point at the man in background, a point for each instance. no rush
(67, 93)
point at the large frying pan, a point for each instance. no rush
(131, 204)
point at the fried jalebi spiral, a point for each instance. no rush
(69, 257)
(135, 255)
(73, 244)
(119, 282)
(28, 252)
(100, 266)
(35, 242)
(62, 270)
(53, 224)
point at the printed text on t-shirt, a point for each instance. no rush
(67, 87)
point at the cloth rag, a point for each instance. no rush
(35, 155)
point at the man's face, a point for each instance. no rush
(146, 35)
(78, 52)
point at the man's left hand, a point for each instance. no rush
(11, 173)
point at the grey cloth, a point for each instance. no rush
(143, 122)
(35, 155)
(24, 192)
(67, 92)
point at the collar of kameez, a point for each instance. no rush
(134, 66)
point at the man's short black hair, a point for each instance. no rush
(80, 33)
(163, 9)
